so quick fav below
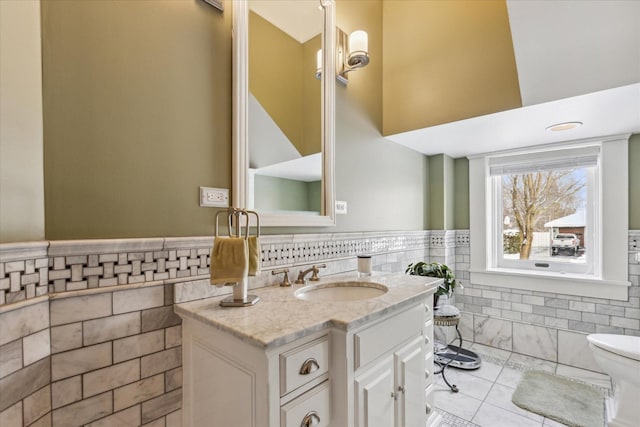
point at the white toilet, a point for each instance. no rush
(619, 357)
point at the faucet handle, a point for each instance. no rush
(314, 276)
(285, 279)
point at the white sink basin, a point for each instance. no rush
(341, 291)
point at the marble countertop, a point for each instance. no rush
(279, 317)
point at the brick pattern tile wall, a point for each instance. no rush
(95, 340)
(541, 324)
(116, 358)
(25, 364)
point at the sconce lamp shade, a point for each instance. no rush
(358, 49)
(358, 56)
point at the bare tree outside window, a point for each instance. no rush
(532, 199)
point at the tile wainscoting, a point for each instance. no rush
(88, 335)
(545, 325)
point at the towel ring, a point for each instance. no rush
(236, 215)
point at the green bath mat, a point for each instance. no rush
(560, 399)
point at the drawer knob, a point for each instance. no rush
(310, 365)
(311, 419)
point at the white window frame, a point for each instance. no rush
(609, 277)
(594, 226)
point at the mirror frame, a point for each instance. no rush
(240, 128)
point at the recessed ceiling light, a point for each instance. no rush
(564, 126)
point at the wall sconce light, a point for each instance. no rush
(352, 53)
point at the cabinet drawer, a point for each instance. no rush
(302, 364)
(428, 335)
(384, 336)
(428, 309)
(310, 408)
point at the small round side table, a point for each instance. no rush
(450, 319)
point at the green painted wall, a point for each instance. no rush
(461, 194)
(137, 116)
(314, 195)
(273, 193)
(382, 182)
(448, 193)
(634, 182)
(436, 193)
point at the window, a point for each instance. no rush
(543, 210)
(552, 219)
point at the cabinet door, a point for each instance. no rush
(411, 383)
(375, 399)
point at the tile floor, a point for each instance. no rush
(484, 398)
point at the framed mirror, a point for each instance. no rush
(283, 111)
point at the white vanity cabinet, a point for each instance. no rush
(228, 382)
(391, 376)
(384, 391)
(287, 363)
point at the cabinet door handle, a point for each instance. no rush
(311, 419)
(429, 409)
(401, 389)
(310, 365)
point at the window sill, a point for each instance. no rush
(568, 284)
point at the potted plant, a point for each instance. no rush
(435, 269)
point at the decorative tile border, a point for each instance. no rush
(462, 238)
(280, 250)
(24, 269)
(32, 269)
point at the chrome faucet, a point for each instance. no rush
(314, 276)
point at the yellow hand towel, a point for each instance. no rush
(254, 255)
(229, 260)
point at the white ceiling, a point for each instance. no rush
(609, 112)
(577, 60)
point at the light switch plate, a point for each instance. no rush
(341, 208)
(214, 197)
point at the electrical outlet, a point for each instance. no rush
(214, 197)
(341, 208)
